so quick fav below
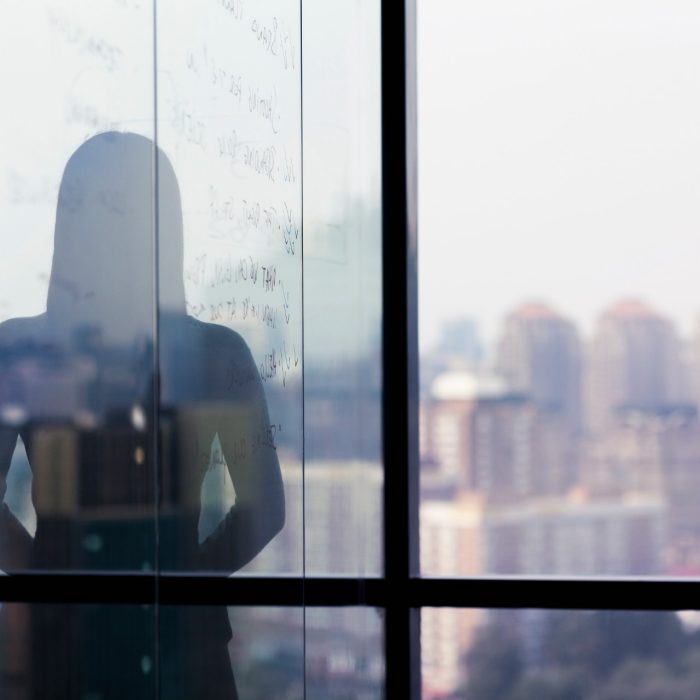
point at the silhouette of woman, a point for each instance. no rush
(123, 401)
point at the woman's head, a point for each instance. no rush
(118, 203)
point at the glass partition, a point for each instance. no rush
(345, 653)
(157, 306)
(77, 301)
(229, 282)
(77, 651)
(343, 474)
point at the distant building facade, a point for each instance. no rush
(634, 362)
(497, 443)
(539, 355)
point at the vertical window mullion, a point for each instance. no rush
(399, 348)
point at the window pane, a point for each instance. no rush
(230, 313)
(267, 652)
(76, 288)
(77, 651)
(559, 215)
(535, 654)
(342, 288)
(344, 653)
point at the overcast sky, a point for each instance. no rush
(559, 152)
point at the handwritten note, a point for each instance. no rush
(226, 76)
(230, 119)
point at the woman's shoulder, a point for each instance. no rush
(217, 336)
(224, 363)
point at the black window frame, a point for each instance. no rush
(401, 592)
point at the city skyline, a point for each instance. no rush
(488, 329)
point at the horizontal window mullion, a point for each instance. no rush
(557, 593)
(183, 589)
(35, 587)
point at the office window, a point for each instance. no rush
(218, 465)
(560, 337)
(559, 654)
(559, 425)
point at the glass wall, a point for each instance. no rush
(230, 336)
(76, 283)
(77, 651)
(158, 305)
(342, 288)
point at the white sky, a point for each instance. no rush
(559, 154)
(559, 157)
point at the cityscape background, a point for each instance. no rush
(558, 253)
(556, 453)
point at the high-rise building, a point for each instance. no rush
(446, 423)
(540, 356)
(576, 536)
(497, 443)
(634, 362)
(692, 358)
(655, 454)
(450, 542)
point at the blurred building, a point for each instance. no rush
(655, 453)
(333, 520)
(692, 360)
(459, 349)
(634, 362)
(571, 535)
(539, 355)
(497, 443)
(450, 545)
(576, 536)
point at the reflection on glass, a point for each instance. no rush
(222, 497)
(343, 475)
(317, 654)
(78, 386)
(229, 118)
(267, 652)
(344, 653)
(77, 382)
(535, 654)
(104, 651)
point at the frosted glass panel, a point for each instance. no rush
(343, 477)
(76, 287)
(229, 120)
(77, 651)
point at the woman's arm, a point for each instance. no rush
(247, 440)
(15, 541)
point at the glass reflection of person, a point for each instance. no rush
(77, 384)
